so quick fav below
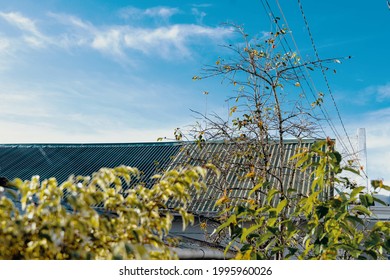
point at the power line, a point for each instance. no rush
(323, 109)
(274, 19)
(325, 78)
(295, 69)
(325, 113)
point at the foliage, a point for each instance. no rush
(44, 220)
(316, 228)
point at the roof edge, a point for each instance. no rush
(132, 144)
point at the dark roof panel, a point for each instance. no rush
(62, 160)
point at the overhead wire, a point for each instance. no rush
(327, 82)
(325, 113)
(273, 19)
(323, 109)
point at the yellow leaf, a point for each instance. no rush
(222, 200)
(250, 175)
(232, 110)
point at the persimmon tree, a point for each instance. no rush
(277, 220)
(45, 220)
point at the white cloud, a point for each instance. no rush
(4, 44)
(379, 114)
(168, 41)
(171, 40)
(21, 22)
(383, 91)
(378, 92)
(163, 12)
(159, 12)
(198, 14)
(32, 36)
(109, 41)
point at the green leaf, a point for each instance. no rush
(385, 187)
(361, 210)
(338, 157)
(273, 230)
(379, 201)
(355, 219)
(231, 220)
(281, 205)
(264, 238)
(228, 246)
(271, 193)
(367, 200)
(376, 183)
(356, 191)
(318, 145)
(246, 232)
(255, 188)
(350, 169)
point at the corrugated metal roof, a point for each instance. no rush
(233, 182)
(61, 160)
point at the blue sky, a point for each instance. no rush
(121, 71)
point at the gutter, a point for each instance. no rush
(201, 254)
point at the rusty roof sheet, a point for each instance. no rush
(233, 182)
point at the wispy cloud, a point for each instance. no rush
(198, 14)
(31, 34)
(168, 41)
(374, 93)
(383, 91)
(163, 12)
(159, 12)
(4, 44)
(21, 22)
(378, 92)
(380, 114)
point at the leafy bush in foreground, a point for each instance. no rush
(37, 221)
